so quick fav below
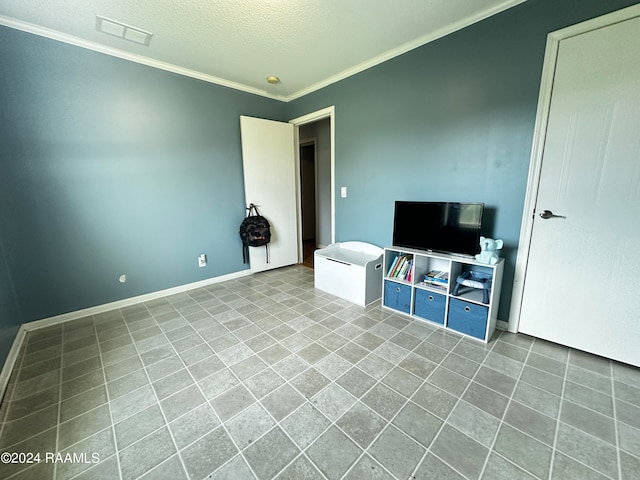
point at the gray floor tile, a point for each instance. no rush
(587, 449)
(628, 413)
(236, 468)
(418, 423)
(31, 404)
(475, 423)
(137, 426)
(361, 424)
(542, 380)
(629, 466)
(81, 384)
(146, 453)
(246, 427)
(208, 453)
(182, 402)
(305, 425)
(172, 384)
(433, 467)
(594, 423)
(333, 453)
(497, 381)
(524, 451)
(627, 393)
(333, 401)
(402, 381)
(83, 426)
(218, 383)
(132, 403)
(310, 382)
(338, 377)
(589, 379)
(565, 468)
(499, 468)
(232, 402)
(301, 468)
(629, 439)
(435, 400)
(270, 454)
(101, 444)
(397, 452)
(264, 383)
(195, 424)
(127, 383)
(531, 422)
(171, 468)
(282, 401)
(106, 469)
(367, 467)
(449, 381)
(375, 366)
(418, 365)
(538, 399)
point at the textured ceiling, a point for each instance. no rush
(238, 43)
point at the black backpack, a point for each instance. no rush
(255, 231)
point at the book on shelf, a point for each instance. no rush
(436, 286)
(437, 276)
(401, 267)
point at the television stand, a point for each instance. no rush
(428, 289)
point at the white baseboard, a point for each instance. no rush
(12, 358)
(502, 325)
(66, 317)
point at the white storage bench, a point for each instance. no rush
(350, 270)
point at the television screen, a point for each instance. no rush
(438, 226)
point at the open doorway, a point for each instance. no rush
(316, 199)
(315, 187)
(308, 197)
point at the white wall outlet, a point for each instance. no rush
(202, 260)
(343, 192)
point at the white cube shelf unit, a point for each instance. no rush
(465, 312)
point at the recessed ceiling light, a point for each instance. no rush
(121, 30)
(272, 79)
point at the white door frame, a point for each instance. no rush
(539, 138)
(329, 113)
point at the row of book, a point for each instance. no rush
(401, 268)
(437, 279)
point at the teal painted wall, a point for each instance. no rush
(108, 167)
(450, 121)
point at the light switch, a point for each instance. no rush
(343, 192)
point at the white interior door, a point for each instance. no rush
(268, 159)
(581, 284)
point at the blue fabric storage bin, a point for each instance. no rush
(430, 306)
(397, 296)
(468, 318)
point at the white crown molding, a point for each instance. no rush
(114, 52)
(72, 40)
(442, 32)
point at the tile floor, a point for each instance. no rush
(263, 377)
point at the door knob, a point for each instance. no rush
(549, 214)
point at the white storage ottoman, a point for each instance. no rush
(350, 270)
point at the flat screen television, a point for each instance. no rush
(446, 227)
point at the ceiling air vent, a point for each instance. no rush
(119, 29)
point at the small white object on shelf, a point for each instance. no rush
(350, 270)
(489, 250)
